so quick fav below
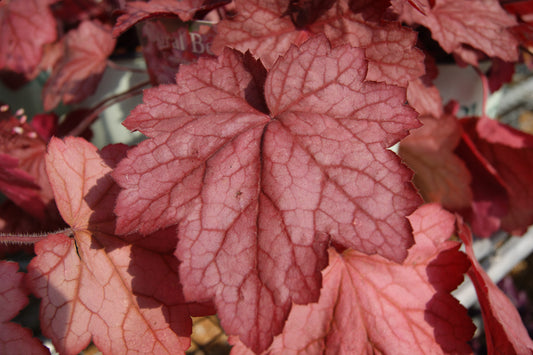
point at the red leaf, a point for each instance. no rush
(14, 339)
(124, 296)
(77, 74)
(459, 25)
(21, 142)
(371, 305)
(137, 11)
(247, 185)
(439, 173)
(504, 331)
(501, 162)
(20, 187)
(25, 27)
(261, 27)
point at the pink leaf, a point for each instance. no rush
(504, 331)
(125, 296)
(137, 11)
(252, 183)
(459, 25)
(371, 305)
(14, 339)
(77, 74)
(262, 27)
(25, 27)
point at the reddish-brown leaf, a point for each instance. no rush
(14, 339)
(460, 25)
(77, 74)
(259, 190)
(124, 296)
(371, 305)
(504, 331)
(439, 173)
(25, 27)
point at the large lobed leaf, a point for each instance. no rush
(14, 339)
(370, 305)
(122, 295)
(260, 183)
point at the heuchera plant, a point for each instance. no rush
(265, 192)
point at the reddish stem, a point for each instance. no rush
(104, 104)
(485, 84)
(30, 238)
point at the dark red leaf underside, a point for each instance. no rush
(258, 195)
(14, 339)
(25, 27)
(459, 25)
(77, 74)
(501, 162)
(371, 305)
(124, 296)
(504, 331)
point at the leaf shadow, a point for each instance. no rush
(152, 273)
(452, 326)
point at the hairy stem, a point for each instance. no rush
(31, 238)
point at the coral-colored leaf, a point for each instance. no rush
(14, 339)
(137, 11)
(504, 331)
(78, 73)
(439, 173)
(371, 305)
(124, 296)
(262, 27)
(459, 25)
(25, 27)
(259, 189)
